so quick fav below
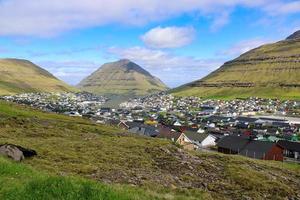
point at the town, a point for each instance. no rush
(265, 129)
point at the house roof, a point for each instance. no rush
(257, 149)
(272, 119)
(192, 129)
(288, 145)
(215, 118)
(165, 132)
(194, 136)
(246, 119)
(234, 143)
(145, 130)
(280, 124)
(134, 124)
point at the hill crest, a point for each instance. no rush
(122, 77)
(294, 36)
(21, 76)
(269, 71)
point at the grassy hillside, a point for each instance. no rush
(18, 76)
(270, 71)
(122, 78)
(76, 157)
(20, 182)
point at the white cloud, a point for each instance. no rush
(70, 71)
(220, 21)
(283, 8)
(52, 17)
(173, 70)
(67, 52)
(169, 37)
(243, 46)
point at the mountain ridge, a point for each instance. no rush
(268, 71)
(295, 35)
(21, 76)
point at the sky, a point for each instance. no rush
(178, 41)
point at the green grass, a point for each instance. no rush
(113, 79)
(20, 76)
(74, 153)
(233, 93)
(266, 67)
(20, 182)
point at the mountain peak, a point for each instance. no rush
(122, 77)
(126, 65)
(124, 61)
(294, 36)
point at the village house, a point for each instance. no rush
(291, 150)
(263, 150)
(201, 140)
(250, 148)
(176, 137)
(144, 130)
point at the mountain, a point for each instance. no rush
(121, 78)
(270, 71)
(294, 36)
(18, 76)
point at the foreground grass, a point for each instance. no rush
(18, 182)
(21, 182)
(117, 161)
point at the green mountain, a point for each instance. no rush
(78, 159)
(121, 78)
(270, 71)
(18, 76)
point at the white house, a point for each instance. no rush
(209, 141)
(201, 140)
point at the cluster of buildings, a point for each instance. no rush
(73, 104)
(266, 129)
(257, 128)
(237, 107)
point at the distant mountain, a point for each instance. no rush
(270, 71)
(294, 36)
(122, 78)
(18, 76)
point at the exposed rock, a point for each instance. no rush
(15, 152)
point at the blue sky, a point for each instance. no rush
(176, 40)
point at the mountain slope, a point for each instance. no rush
(17, 76)
(75, 147)
(122, 78)
(270, 71)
